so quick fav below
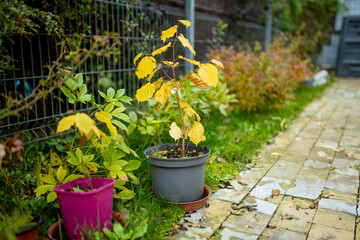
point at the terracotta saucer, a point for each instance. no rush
(192, 206)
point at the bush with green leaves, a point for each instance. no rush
(91, 152)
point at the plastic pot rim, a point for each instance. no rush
(58, 189)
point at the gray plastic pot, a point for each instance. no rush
(178, 179)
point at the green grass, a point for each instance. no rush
(235, 138)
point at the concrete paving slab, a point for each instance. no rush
(292, 156)
(308, 188)
(228, 234)
(285, 169)
(230, 195)
(265, 187)
(322, 154)
(288, 216)
(337, 205)
(314, 169)
(335, 219)
(261, 206)
(336, 195)
(319, 231)
(342, 183)
(347, 167)
(251, 222)
(281, 234)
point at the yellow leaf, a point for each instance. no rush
(152, 74)
(195, 79)
(169, 63)
(176, 64)
(186, 44)
(186, 23)
(175, 131)
(106, 118)
(190, 61)
(209, 74)
(158, 82)
(158, 107)
(86, 125)
(145, 92)
(188, 109)
(163, 93)
(168, 33)
(145, 67)
(169, 106)
(161, 50)
(178, 85)
(136, 58)
(186, 120)
(218, 63)
(196, 133)
(65, 123)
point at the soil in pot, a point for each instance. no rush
(176, 152)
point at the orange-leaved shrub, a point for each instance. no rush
(260, 80)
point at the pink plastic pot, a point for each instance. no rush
(86, 210)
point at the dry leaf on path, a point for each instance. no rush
(284, 164)
(267, 235)
(276, 154)
(338, 150)
(242, 183)
(275, 192)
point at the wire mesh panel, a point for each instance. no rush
(136, 27)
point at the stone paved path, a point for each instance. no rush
(314, 166)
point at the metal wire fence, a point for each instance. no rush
(114, 20)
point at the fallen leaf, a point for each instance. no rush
(276, 154)
(267, 235)
(312, 206)
(236, 212)
(165, 211)
(275, 192)
(255, 217)
(212, 159)
(301, 205)
(338, 150)
(242, 183)
(284, 164)
(349, 154)
(282, 124)
(331, 169)
(219, 159)
(191, 223)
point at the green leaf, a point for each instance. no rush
(133, 117)
(125, 195)
(119, 124)
(72, 177)
(48, 179)
(88, 158)
(119, 93)
(115, 171)
(119, 183)
(73, 159)
(78, 189)
(36, 168)
(120, 163)
(79, 80)
(55, 159)
(132, 165)
(78, 154)
(60, 174)
(118, 230)
(68, 94)
(82, 90)
(110, 93)
(119, 104)
(102, 94)
(123, 147)
(122, 116)
(118, 110)
(51, 197)
(126, 99)
(70, 83)
(109, 107)
(133, 177)
(140, 230)
(85, 98)
(42, 189)
(131, 128)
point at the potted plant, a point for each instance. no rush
(86, 201)
(177, 170)
(18, 225)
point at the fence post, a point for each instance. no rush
(190, 32)
(268, 24)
